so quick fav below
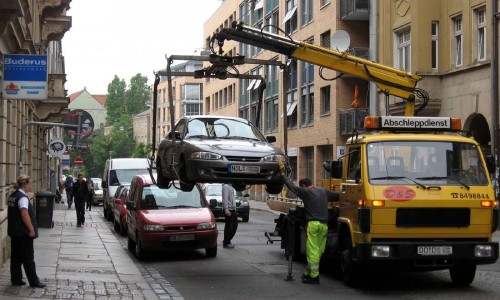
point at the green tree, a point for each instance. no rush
(116, 100)
(137, 94)
(142, 150)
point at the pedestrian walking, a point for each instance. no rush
(230, 215)
(316, 211)
(90, 196)
(68, 186)
(22, 229)
(80, 193)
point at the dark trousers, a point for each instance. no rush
(22, 253)
(80, 211)
(69, 198)
(89, 202)
(230, 227)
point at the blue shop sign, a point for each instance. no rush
(25, 77)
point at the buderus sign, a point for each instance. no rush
(24, 77)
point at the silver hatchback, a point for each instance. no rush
(217, 149)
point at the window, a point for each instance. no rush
(245, 18)
(307, 12)
(309, 162)
(191, 91)
(291, 95)
(481, 33)
(325, 39)
(307, 93)
(404, 50)
(457, 22)
(192, 107)
(272, 16)
(271, 114)
(435, 48)
(325, 100)
(290, 19)
(327, 154)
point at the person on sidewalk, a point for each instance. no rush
(316, 210)
(90, 196)
(68, 185)
(230, 216)
(80, 193)
(22, 229)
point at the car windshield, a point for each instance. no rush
(222, 128)
(123, 176)
(156, 198)
(425, 163)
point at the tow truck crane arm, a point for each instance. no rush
(389, 80)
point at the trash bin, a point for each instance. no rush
(45, 209)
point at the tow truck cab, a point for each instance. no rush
(414, 193)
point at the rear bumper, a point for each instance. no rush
(161, 241)
(405, 254)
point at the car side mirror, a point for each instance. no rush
(213, 203)
(130, 205)
(271, 138)
(104, 184)
(246, 195)
(336, 169)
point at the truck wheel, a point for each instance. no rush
(161, 180)
(211, 252)
(463, 275)
(348, 266)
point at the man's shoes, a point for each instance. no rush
(78, 225)
(19, 283)
(38, 285)
(228, 246)
(304, 276)
(310, 280)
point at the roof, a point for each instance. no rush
(99, 98)
(144, 113)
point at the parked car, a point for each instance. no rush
(98, 192)
(120, 211)
(214, 191)
(218, 149)
(112, 199)
(159, 219)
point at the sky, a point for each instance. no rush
(126, 37)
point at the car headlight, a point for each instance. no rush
(244, 203)
(274, 158)
(206, 225)
(205, 155)
(151, 227)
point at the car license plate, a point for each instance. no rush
(434, 250)
(243, 169)
(184, 237)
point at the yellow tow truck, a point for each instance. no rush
(415, 193)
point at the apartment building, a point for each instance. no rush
(318, 108)
(449, 44)
(31, 27)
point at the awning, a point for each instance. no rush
(289, 14)
(290, 108)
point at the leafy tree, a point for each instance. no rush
(115, 100)
(142, 150)
(137, 94)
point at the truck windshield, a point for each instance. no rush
(428, 163)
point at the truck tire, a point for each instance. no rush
(463, 275)
(350, 272)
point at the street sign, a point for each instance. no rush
(79, 161)
(56, 147)
(86, 125)
(24, 77)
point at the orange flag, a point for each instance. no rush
(355, 103)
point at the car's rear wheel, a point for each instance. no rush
(211, 252)
(139, 251)
(274, 188)
(161, 180)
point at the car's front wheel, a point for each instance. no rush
(161, 180)
(274, 188)
(245, 218)
(211, 252)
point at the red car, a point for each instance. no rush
(160, 219)
(120, 210)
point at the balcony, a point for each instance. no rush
(352, 119)
(354, 10)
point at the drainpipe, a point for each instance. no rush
(494, 87)
(373, 55)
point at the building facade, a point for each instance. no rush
(141, 124)
(31, 27)
(93, 104)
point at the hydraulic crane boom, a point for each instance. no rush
(389, 80)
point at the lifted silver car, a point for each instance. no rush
(217, 149)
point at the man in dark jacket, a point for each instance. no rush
(22, 229)
(80, 193)
(316, 210)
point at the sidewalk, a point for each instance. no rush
(89, 262)
(86, 263)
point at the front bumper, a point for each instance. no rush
(404, 254)
(97, 200)
(161, 240)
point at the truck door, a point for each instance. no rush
(352, 187)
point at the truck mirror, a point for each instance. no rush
(490, 163)
(336, 169)
(130, 205)
(104, 184)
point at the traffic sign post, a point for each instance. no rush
(79, 161)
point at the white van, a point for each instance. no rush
(120, 171)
